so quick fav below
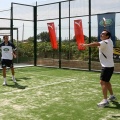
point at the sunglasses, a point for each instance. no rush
(103, 33)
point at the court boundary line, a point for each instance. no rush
(51, 84)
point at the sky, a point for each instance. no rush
(48, 12)
(6, 4)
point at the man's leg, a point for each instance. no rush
(104, 102)
(109, 87)
(13, 73)
(111, 97)
(4, 76)
(104, 88)
(4, 72)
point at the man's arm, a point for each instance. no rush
(14, 54)
(14, 50)
(94, 44)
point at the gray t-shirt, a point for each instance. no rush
(7, 50)
(106, 53)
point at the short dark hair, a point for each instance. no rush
(5, 36)
(108, 33)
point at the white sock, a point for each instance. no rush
(12, 76)
(4, 79)
(105, 100)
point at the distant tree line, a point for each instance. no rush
(44, 50)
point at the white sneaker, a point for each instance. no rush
(103, 104)
(14, 80)
(112, 98)
(4, 83)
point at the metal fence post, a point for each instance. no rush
(89, 35)
(59, 34)
(69, 31)
(35, 35)
(11, 23)
(17, 46)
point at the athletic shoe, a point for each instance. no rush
(103, 104)
(14, 80)
(4, 83)
(112, 98)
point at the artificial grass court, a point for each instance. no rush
(56, 94)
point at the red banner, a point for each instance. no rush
(52, 35)
(78, 29)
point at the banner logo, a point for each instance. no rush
(109, 22)
(78, 23)
(6, 49)
(50, 26)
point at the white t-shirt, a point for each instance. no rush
(106, 53)
(7, 50)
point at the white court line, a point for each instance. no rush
(44, 75)
(82, 79)
(77, 78)
(55, 83)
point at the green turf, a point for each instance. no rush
(56, 94)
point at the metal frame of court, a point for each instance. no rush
(35, 27)
(8, 28)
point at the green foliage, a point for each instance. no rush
(44, 37)
(30, 39)
(117, 43)
(25, 49)
(69, 49)
(94, 39)
(95, 54)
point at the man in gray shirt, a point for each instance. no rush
(106, 59)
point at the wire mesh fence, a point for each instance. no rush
(62, 14)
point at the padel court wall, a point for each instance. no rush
(35, 49)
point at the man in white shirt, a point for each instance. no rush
(106, 59)
(8, 52)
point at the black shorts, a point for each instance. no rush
(106, 73)
(6, 63)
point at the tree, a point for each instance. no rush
(44, 37)
(94, 39)
(117, 43)
(31, 39)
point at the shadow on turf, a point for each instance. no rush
(16, 85)
(116, 116)
(23, 78)
(116, 105)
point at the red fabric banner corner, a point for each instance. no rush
(78, 29)
(52, 34)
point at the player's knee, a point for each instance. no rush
(102, 82)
